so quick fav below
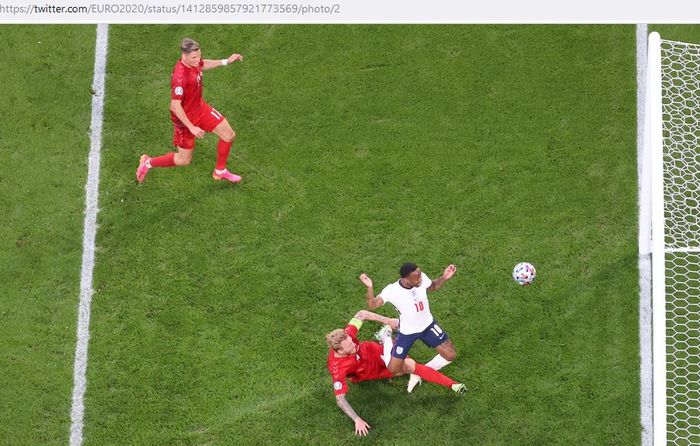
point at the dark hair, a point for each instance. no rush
(188, 45)
(407, 268)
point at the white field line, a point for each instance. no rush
(645, 320)
(89, 230)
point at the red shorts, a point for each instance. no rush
(373, 365)
(378, 373)
(209, 119)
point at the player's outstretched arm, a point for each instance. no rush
(211, 63)
(365, 315)
(440, 281)
(372, 302)
(361, 426)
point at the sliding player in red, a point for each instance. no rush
(192, 117)
(363, 361)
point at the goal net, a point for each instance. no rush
(673, 128)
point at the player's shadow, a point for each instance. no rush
(387, 407)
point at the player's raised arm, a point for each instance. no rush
(361, 426)
(440, 281)
(372, 302)
(364, 315)
(211, 63)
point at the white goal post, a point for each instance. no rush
(672, 141)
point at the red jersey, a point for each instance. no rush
(364, 365)
(186, 85)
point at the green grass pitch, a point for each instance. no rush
(361, 147)
(44, 122)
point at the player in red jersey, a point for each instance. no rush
(363, 361)
(192, 117)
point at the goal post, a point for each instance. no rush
(672, 138)
(654, 148)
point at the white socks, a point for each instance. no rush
(387, 345)
(437, 362)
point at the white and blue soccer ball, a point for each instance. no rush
(524, 273)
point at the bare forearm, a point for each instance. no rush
(345, 407)
(371, 301)
(438, 283)
(365, 315)
(210, 63)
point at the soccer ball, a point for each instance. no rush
(524, 273)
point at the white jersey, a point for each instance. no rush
(414, 310)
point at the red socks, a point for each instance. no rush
(167, 160)
(222, 151)
(433, 376)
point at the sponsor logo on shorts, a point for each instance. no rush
(399, 350)
(337, 385)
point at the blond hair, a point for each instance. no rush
(335, 338)
(188, 45)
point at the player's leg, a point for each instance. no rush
(226, 137)
(183, 157)
(223, 148)
(402, 345)
(384, 338)
(430, 375)
(214, 122)
(435, 337)
(395, 365)
(387, 347)
(447, 351)
(183, 139)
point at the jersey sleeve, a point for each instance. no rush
(340, 384)
(177, 85)
(386, 295)
(338, 374)
(352, 330)
(425, 281)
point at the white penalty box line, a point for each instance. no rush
(89, 231)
